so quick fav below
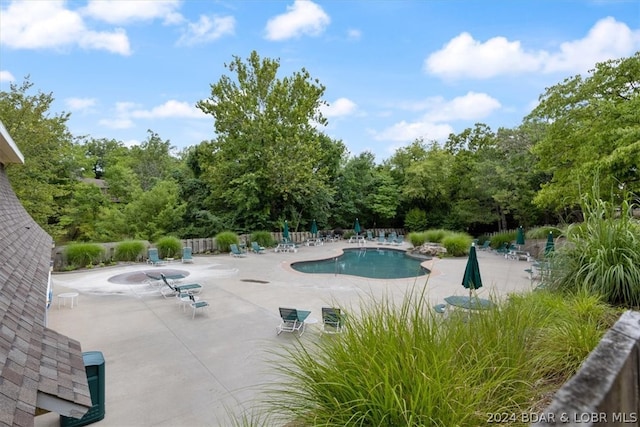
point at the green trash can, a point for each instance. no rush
(94, 366)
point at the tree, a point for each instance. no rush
(45, 183)
(592, 128)
(268, 160)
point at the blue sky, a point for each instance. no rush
(394, 71)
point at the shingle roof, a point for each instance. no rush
(33, 358)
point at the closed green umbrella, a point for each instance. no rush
(285, 232)
(356, 226)
(314, 228)
(471, 279)
(550, 246)
(520, 236)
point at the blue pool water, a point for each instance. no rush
(375, 263)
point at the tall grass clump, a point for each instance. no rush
(84, 254)
(417, 239)
(224, 240)
(457, 244)
(499, 239)
(129, 250)
(399, 364)
(602, 254)
(169, 247)
(263, 238)
(435, 235)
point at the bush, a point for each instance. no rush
(497, 240)
(263, 238)
(84, 254)
(224, 240)
(457, 244)
(601, 255)
(507, 360)
(417, 239)
(348, 234)
(435, 235)
(415, 220)
(169, 247)
(129, 250)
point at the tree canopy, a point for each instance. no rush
(268, 161)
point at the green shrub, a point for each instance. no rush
(224, 240)
(399, 365)
(348, 234)
(84, 254)
(601, 255)
(497, 240)
(415, 220)
(435, 235)
(169, 247)
(417, 239)
(129, 250)
(263, 238)
(457, 244)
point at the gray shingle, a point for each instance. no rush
(32, 357)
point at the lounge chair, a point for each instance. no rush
(485, 246)
(292, 320)
(186, 255)
(256, 248)
(235, 251)
(177, 289)
(332, 320)
(154, 259)
(156, 279)
(195, 305)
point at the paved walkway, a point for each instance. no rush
(164, 368)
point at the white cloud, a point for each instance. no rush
(126, 112)
(465, 57)
(409, 131)
(607, 39)
(304, 17)
(340, 107)
(124, 12)
(207, 29)
(437, 112)
(170, 109)
(79, 104)
(353, 34)
(6, 76)
(47, 25)
(472, 106)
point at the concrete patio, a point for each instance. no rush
(164, 368)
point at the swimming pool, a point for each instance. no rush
(375, 263)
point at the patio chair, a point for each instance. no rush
(332, 320)
(292, 320)
(153, 258)
(485, 246)
(256, 248)
(186, 255)
(235, 251)
(195, 305)
(177, 289)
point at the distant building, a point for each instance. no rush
(40, 369)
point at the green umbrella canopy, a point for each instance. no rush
(471, 279)
(314, 228)
(285, 232)
(550, 246)
(356, 226)
(520, 237)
